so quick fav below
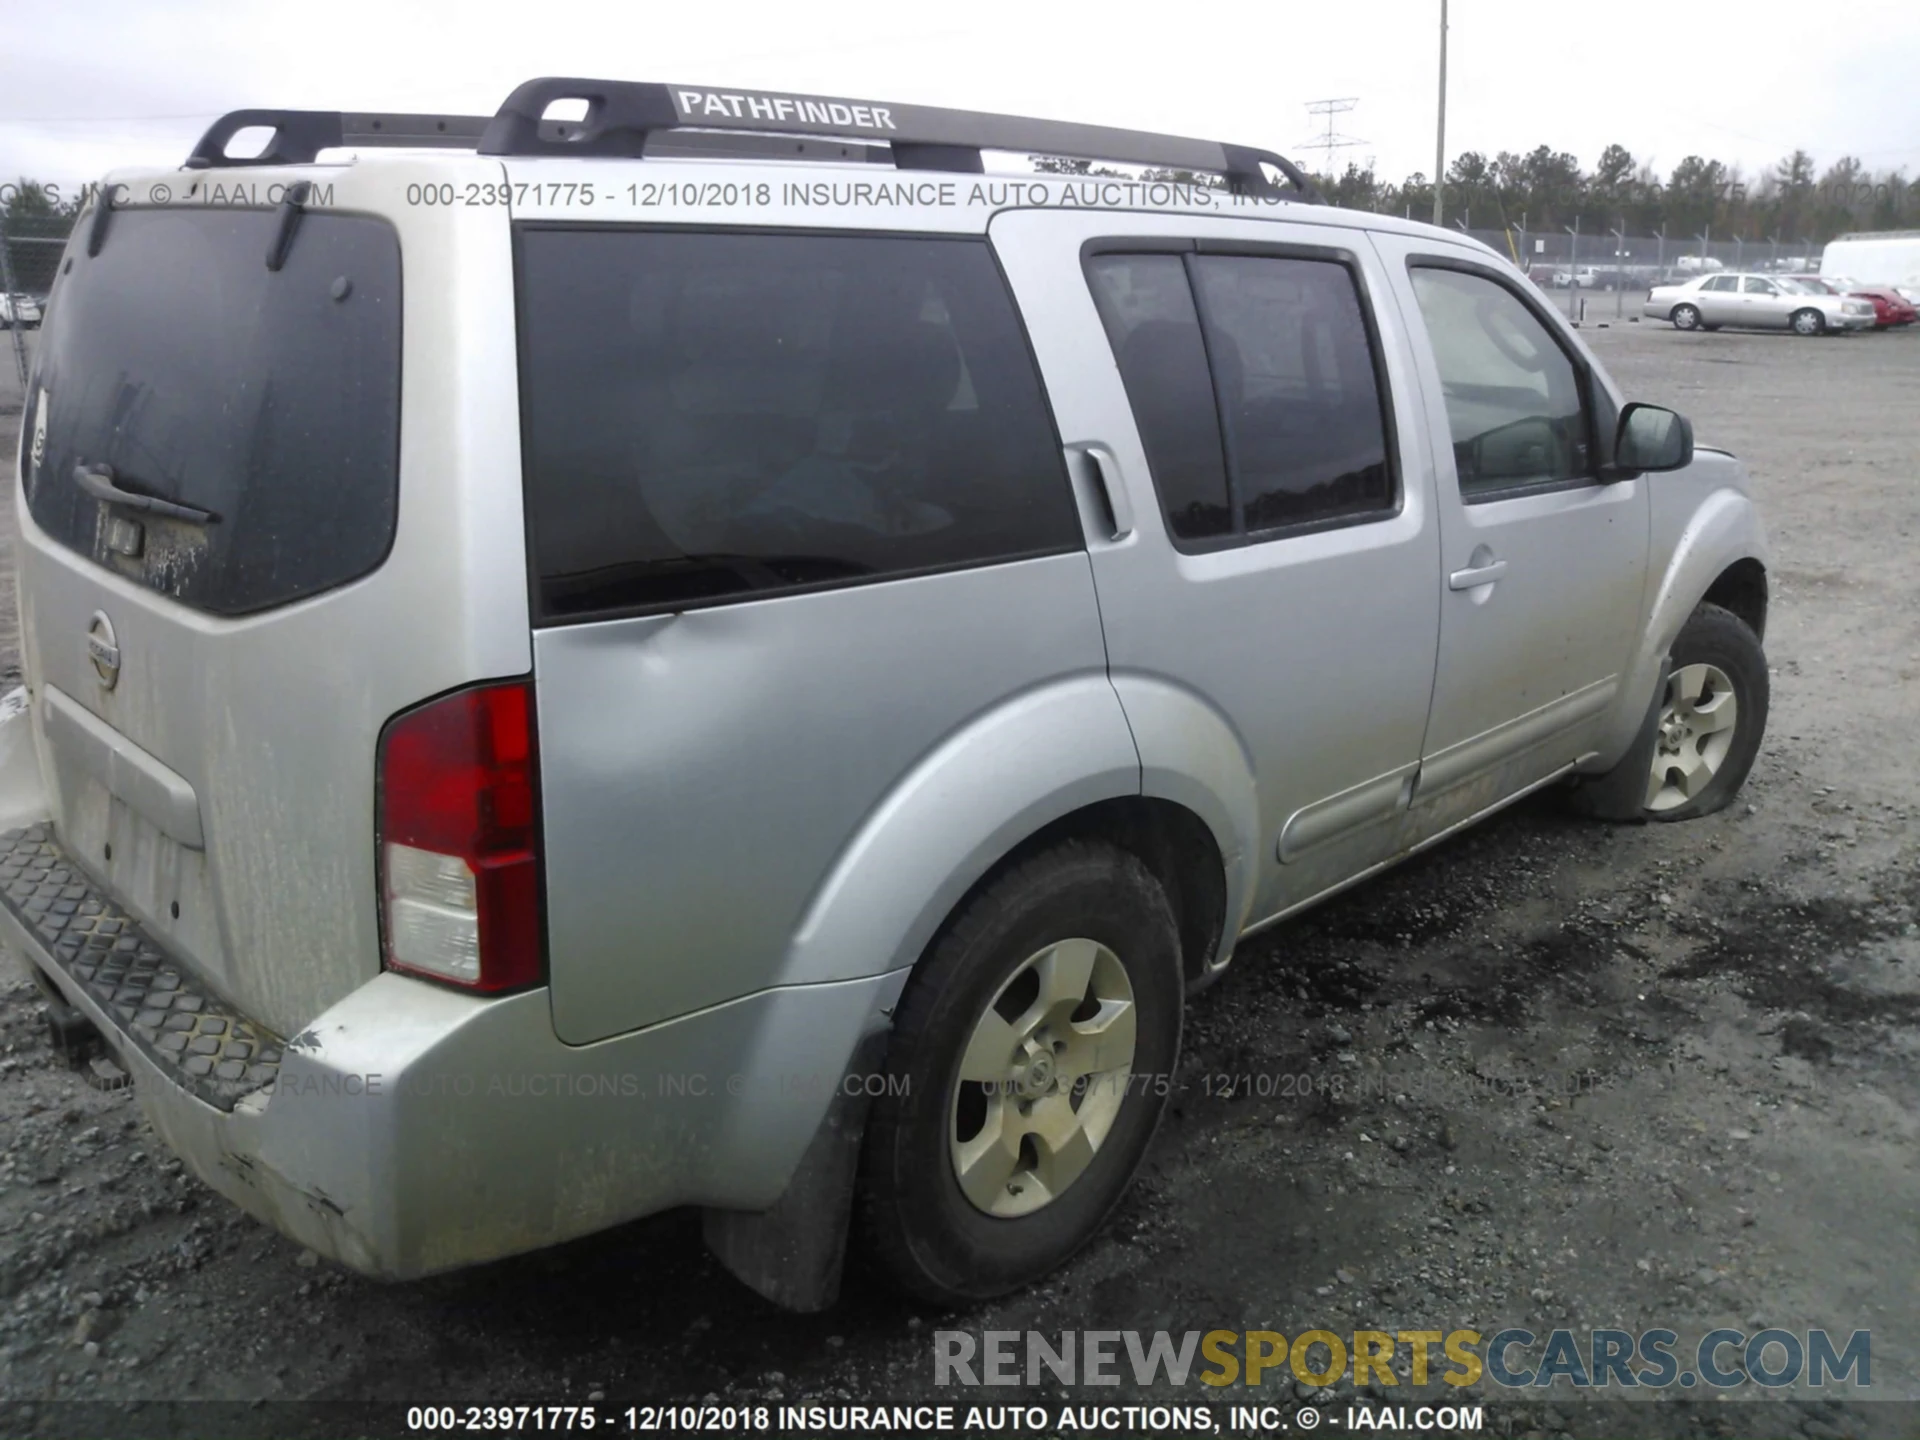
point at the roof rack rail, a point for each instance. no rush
(300, 135)
(621, 116)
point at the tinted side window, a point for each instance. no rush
(1755, 285)
(1513, 395)
(1147, 307)
(1719, 283)
(1299, 398)
(711, 415)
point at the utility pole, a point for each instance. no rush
(1440, 129)
(1619, 268)
(1573, 271)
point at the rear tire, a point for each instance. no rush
(1808, 322)
(1685, 317)
(1082, 937)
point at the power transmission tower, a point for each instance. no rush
(1330, 139)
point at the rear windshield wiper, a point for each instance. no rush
(98, 481)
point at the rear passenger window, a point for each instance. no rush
(1147, 306)
(719, 415)
(1299, 397)
(1514, 399)
(1253, 382)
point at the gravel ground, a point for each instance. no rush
(1560, 1074)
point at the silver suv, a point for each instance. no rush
(716, 654)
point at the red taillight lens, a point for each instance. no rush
(459, 879)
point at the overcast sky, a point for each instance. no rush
(89, 84)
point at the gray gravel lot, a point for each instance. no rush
(1585, 1075)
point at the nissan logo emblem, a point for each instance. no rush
(103, 650)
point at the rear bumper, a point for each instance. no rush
(412, 1129)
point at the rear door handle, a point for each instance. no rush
(1106, 474)
(1478, 575)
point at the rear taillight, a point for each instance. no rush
(459, 883)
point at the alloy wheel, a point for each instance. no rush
(1695, 734)
(1043, 1077)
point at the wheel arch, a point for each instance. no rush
(1019, 767)
(1171, 841)
(1742, 589)
(1716, 552)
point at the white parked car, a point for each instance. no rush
(23, 310)
(1755, 302)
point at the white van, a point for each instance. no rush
(1888, 257)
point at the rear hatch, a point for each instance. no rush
(243, 549)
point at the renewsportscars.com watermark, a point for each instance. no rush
(1513, 1359)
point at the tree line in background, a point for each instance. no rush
(36, 200)
(1546, 191)
(1543, 191)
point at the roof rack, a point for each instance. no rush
(300, 135)
(622, 115)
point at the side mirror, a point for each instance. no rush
(1651, 438)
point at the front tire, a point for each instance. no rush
(1708, 725)
(1808, 322)
(1685, 317)
(1032, 1055)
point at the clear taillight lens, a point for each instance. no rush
(459, 858)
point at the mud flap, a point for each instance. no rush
(794, 1253)
(1621, 793)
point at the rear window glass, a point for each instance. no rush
(177, 366)
(710, 416)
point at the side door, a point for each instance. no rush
(1720, 300)
(1762, 304)
(1544, 564)
(1267, 581)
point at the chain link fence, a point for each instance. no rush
(30, 247)
(1606, 273)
